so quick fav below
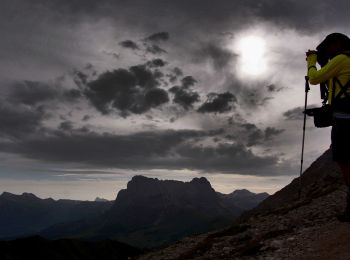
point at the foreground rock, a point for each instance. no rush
(283, 226)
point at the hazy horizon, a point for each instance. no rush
(44, 194)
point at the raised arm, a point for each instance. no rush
(327, 72)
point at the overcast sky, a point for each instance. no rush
(94, 92)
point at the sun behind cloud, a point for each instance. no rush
(251, 51)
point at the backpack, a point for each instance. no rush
(323, 116)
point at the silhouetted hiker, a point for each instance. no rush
(333, 54)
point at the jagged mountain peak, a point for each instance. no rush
(242, 193)
(246, 193)
(140, 179)
(29, 195)
(200, 181)
(24, 195)
(145, 190)
(143, 186)
(6, 194)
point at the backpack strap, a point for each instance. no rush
(342, 91)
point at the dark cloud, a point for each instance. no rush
(184, 96)
(133, 90)
(271, 132)
(251, 135)
(174, 74)
(80, 78)
(228, 158)
(86, 118)
(156, 63)
(32, 92)
(295, 14)
(129, 44)
(145, 77)
(29, 103)
(149, 45)
(218, 103)
(66, 126)
(188, 81)
(18, 120)
(154, 49)
(105, 148)
(157, 37)
(72, 94)
(155, 97)
(296, 113)
(156, 149)
(199, 17)
(274, 88)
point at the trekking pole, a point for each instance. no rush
(307, 88)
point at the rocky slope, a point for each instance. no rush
(283, 226)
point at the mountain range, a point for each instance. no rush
(26, 214)
(147, 214)
(151, 213)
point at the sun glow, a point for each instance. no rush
(251, 52)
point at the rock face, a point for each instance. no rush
(162, 198)
(26, 214)
(283, 226)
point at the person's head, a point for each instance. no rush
(332, 45)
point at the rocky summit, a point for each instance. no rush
(284, 226)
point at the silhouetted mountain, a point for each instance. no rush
(152, 212)
(98, 199)
(283, 226)
(26, 214)
(243, 199)
(39, 248)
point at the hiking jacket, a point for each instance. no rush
(339, 67)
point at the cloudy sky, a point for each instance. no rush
(94, 92)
